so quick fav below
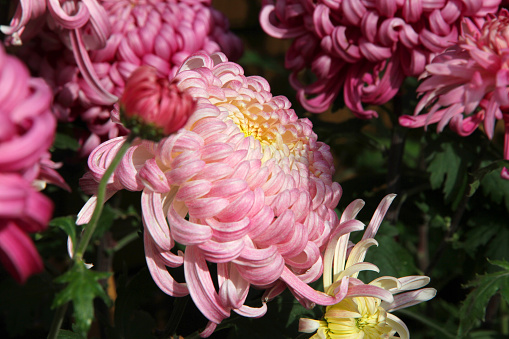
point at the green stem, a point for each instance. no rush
(101, 193)
(426, 322)
(124, 242)
(58, 318)
(90, 229)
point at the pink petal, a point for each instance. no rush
(159, 272)
(17, 252)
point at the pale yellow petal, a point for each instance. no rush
(398, 325)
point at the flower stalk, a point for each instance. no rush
(101, 193)
(90, 229)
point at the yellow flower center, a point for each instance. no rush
(280, 140)
(354, 316)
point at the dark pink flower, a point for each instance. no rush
(27, 129)
(364, 47)
(150, 101)
(468, 84)
(159, 33)
(22, 210)
(27, 126)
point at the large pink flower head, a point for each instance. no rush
(244, 184)
(159, 33)
(27, 129)
(468, 83)
(364, 47)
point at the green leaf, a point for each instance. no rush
(473, 309)
(479, 175)
(447, 167)
(64, 141)
(496, 188)
(82, 288)
(66, 224)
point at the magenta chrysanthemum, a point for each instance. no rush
(468, 84)
(27, 129)
(364, 47)
(244, 185)
(159, 33)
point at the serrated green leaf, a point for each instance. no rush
(496, 188)
(473, 309)
(66, 224)
(479, 235)
(500, 263)
(82, 288)
(479, 175)
(447, 168)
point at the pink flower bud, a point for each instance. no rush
(153, 104)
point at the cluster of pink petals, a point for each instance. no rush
(244, 184)
(27, 129)
(468, 84)
(365, 47)
(159, 33)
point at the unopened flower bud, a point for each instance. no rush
(152, 107)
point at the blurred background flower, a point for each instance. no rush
(27, 129)
(160, 33)
(363, 48)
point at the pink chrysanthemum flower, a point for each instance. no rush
(159, 33)
(468, 84)
(244, 184)
(27, 129)
(364, 47)
(27, 126)
(367, 314)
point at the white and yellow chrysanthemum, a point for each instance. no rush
(363, 316)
